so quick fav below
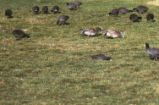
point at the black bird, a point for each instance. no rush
(62, 20)
(141, 9)
(77, 3)
(35, 9)
(55, 9)
(135, 18)
(45, 9)
(8, 13)
(71, 6)
(114, 12)
(153, 52)
(124, 10)
(19, 34)
(150, 17)
(101, 57)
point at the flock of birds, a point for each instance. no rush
(153, 52)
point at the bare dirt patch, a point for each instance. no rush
(156, 2)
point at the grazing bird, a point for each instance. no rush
(71, 6)
(77, 3)
(35, 9)
(101, 57)
(91, 31)
(45, 9)
(114, 12)
(150, 17)
(62, 20)
(141, 9)
(19, 34)
(135, 18)
(123, 10)
(114, 34)
(55, 9)
(8, 13)
(153, 52)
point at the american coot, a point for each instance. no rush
(35, 9)
(135, 18)
(150, 17)
(62, 20)
(77, 3)
(124, 10)
(71, 6)
(19, 34)
(91, 31)
(55, 9)
(45, 10)
(153, 52)
(101, 57)
(114, 12)
(141, 9)
(114, 34)
(8, 13)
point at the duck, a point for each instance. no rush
(150, 17)
(113, 34)
(8, 13)
(114, 12)
(124, 10)
(77, 3)
(55, 9)
(141, 9)
(35, 9)
(135, 18)
(19, 34)
(45, 10)
(91, 32)
(71, 6)
(101, 57)
(153, 52)
(62, 20)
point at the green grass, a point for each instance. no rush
(55, 68)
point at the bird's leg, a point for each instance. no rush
(155, 58)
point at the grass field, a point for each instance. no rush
(55, 68)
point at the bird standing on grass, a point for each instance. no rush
(55, 9)
(153, 52)
(141, 9)
(150, 17)
(19, 34)
(35, 9)
(135, 18)
(114, 12)
(8, 13)
(45, 10)
(62, 20)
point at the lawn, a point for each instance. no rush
(54, 67)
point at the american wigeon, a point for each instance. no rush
(91, 31)
(114, 34)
